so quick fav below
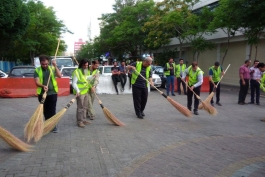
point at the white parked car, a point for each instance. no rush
(106, 71)
(67, 72)
(3, 74)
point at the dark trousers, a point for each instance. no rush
(123, 78)
(140, 96)
(49, 106)
(180, 81)
(130, 78)
(217, 91)
(243, 91)
(170, 81)
(190, 94)
(254, 87)
(115, 80)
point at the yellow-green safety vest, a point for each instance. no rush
(53, 80)
(262, 83)
(138, 69)
(178, 69)
(193, 77)
(216, 74)
(96, 71)
(167, 73)
(82, 82)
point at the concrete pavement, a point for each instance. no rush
(164, 143)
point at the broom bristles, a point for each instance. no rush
(38, 131)
(53, 121)
(111, 117)
(210, 109)
(207, 100)
(31, 124)
(13, 141)
(185, 111)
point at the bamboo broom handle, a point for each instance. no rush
(198, 97)
(223, 75)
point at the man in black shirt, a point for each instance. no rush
(115, 75)
(140, 85)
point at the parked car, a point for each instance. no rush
(67, 72)
(3, 74)
(106, 71)
(22, 71)
(160, 71)
(154, 67)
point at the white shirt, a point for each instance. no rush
(256, 74)
(200, 77)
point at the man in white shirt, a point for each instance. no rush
(255, 76)
(195, 75)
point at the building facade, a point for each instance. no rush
(78, 46)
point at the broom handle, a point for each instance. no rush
(223, 75)
(148, 81)
(192, 90)
(54, 59)
(76, 60)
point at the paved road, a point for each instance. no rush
(165, 143)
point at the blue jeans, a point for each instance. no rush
(170, 80)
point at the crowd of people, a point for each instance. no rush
(86, 78)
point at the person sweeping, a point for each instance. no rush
(215, 73)
(94, 72)
(81, 88)
(41, 77)
(140, 85)
(195, 75)
(261, 67)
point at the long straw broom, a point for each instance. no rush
(182, 109)
(209, 98)
(210, 109)
(13, 141)
(51, 122)
(106, 112)
(34, 127)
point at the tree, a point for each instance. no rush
(14, 20)
(42, 34)
(225, 19)
(122, 30)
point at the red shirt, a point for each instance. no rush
(245, 71)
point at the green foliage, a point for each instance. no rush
(14, 20)
(42, 34)
(122, 30)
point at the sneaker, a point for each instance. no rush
(142, 113)
(86, 122)
(257, 103)
(81, 125)
(219, 104)
(140, 116)
(55, 130)
(92, 117)
(250, 102)
(196, 113)
(173, 94)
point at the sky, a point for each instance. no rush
(76, 15)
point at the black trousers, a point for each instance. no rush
(130, 78)
(254, 87)
(49, 106)
(243, 91)
(190, 94)
(180, 81)
(123, 78)
(140, 96)
(115, 80)
(217, 92)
